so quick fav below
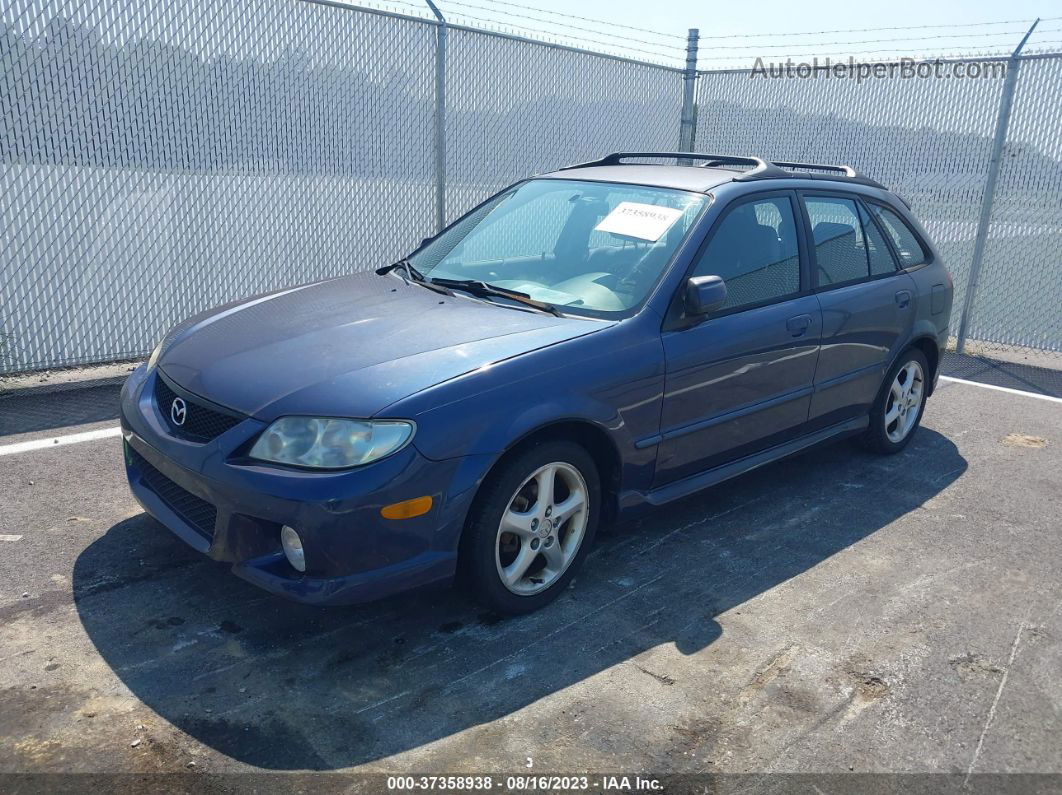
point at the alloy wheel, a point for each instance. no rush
(542, 528)
(904, 401)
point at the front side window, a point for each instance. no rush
(908, 247)
(754, 250)
(590, 248)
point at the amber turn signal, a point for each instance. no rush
(406, 509)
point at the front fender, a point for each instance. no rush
(489, 430)
(612, 380)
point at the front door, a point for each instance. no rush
(741, 380)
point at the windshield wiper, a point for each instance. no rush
(404, 264)
(481, 288)
(412, 276)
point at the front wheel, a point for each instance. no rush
(531, 526)
(898, 409)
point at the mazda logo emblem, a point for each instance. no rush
(178, 411)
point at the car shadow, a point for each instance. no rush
(283, 686)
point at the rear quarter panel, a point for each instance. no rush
(934, 290)
(933, 310)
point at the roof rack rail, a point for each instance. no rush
(761, 169)
(847, 172)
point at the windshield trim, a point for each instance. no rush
(583, 312)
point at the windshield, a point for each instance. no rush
(593, 248)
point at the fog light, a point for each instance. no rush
(292, 544)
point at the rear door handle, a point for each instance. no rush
(798, 325)
(903, 298)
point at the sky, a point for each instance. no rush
(733, 33)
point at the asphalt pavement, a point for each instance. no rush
(837, 612)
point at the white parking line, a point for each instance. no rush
(56, 441)
(1006, 389)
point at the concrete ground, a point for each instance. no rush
(832, 613)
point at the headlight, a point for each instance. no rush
(153, 359)
(321, 443)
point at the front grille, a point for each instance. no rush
(201, 423)
(199, 513)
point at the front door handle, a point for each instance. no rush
(798, 325)
(903, 298)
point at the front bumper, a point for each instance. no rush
(233, 512)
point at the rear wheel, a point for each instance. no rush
(898, 409)
(531, 526)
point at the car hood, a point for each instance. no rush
(350, 346)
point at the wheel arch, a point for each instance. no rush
(927, 345)
(592, 437)
(595, 439)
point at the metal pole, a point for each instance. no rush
(440, 117)
(1006, 100)
(689, 82)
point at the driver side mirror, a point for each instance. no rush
(704, 295)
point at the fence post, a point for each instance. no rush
(999, 138)
(440, 117)
(689, 82)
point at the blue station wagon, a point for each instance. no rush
(582, 346)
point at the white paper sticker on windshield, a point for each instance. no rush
(643, 221)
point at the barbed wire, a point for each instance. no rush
(623, 44)
(857, 53)
(595, 20)
(875, 41)
(949, 26)
(674, 53)
(619, 36)
(554, 37)
(876, 30)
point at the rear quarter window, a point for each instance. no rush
(909, 248)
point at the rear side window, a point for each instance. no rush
(848, 245)
(840, 245)
(908, 247)
(754, 250)
(881, 259)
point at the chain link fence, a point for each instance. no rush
(931, 140)
(160, 159)
(515, 108)
(1019, 294)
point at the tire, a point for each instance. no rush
(548, 556)
(893, 422)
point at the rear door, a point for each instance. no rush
(867, 305)
(740, 381)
